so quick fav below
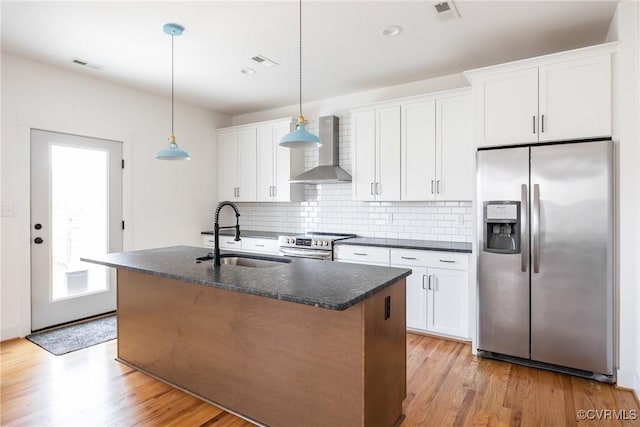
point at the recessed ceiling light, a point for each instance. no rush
(391, 30)
(248, 71)
(264, 61)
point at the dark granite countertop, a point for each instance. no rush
(429, 245)
(332, 285)
(251, 233)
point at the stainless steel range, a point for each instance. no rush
(315, 245)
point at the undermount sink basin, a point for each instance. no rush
(252, 261)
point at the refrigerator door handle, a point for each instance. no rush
(536, 228)
(524, 243)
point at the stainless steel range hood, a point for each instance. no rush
(328, 171)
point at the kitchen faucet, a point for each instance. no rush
(217, 228)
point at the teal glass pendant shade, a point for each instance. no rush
(300, 138)
(172, 152)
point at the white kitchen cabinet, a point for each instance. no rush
(376, 153)
(437, 290)
(245, 244)
(237, 165)
(277, 164)
(552, 98)
(416, 297)
(371, 255)
(437, 149)
(447, 306)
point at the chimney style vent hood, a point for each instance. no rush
(328, 171)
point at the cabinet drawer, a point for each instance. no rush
(207, 241)
(364, 254)
(253, 244)
(227, 242)
(431, 259)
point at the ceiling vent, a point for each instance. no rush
(446, 10)
(264, 61)
(87, 64)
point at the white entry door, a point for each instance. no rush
(76, 211)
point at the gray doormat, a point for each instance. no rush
(76, 337)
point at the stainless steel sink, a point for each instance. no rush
(252, 261)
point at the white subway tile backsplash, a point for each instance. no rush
(329, 207)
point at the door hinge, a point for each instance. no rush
(123, 225)
(122, 163)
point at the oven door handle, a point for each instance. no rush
(305, 253)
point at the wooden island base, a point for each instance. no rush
(272, 362)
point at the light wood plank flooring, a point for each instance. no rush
(446, 385)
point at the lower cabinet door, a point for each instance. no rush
(447, 305)
(416, 297)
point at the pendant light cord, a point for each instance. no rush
(172, 86)
(300, 57)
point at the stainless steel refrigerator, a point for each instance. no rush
(545, 263)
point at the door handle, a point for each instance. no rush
(378, 188)
(275, 191)
(438, 186)
(536, 228)
(424, 276)
(432, 186)
(542, 123)
(524, 219)
(534, 124)
(371, 189)
(270, 191)
(38, 240)
(450, 261)
(429, 287)
(238, 192)
(408, 257)
(360, 253)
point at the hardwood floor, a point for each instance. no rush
(446, 385)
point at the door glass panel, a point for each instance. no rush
(79, 201)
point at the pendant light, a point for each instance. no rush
(172, 152)
(300, 138)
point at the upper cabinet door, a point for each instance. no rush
(265, 163)
(246, 165)
(454, 149)
(227, 165)
(507, 108)
(364, 154)
(418, 151)
(575, 99)
(282, 156)
(387, 183)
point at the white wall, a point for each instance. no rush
(170, 202)
(625, 27)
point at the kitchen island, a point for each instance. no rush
(304, 343)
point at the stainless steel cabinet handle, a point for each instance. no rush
(424, 276)
(407, 257)
(536, 228)
(271, 191)
(438, 186)
(534, 124)
(259, 246)
(231, 243)
(238, 191)
(432, 186)
(524, 219)
(429, 287)
(275, 191)
(450, 261)
(378, 188)
(542, 123)
(360, 253)
(371, 190)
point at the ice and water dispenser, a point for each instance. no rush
(502, 227)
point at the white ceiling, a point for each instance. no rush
(343, 51)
